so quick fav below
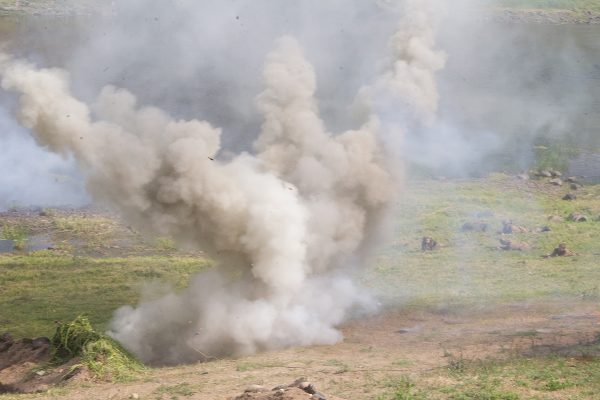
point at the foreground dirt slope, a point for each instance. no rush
(395, 344)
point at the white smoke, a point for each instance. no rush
(282, 224)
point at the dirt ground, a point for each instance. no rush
(394, 343)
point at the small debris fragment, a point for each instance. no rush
(577, 217)
(428, 244)
(545, 228)
(569, 196)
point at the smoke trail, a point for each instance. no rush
(410, 75)
(280, 223)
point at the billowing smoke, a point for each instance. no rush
(284, 223)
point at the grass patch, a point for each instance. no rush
(174, 391)
(17, 233)
(104, 357)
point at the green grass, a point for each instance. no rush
(17, 233)
(40, 288)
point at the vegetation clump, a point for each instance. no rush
(102, 355)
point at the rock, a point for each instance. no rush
(513, 245)
(475, 227)
(256, 389)
(297, 382)
(572, 179)
(569, 197)
(574, 186)
(544, 174)
(134, 396)
(556, 182)
(428, 244)
(509, 228)
(545, 228)
(577, 217)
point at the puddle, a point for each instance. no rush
(34, 243)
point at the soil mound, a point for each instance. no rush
(23, 362)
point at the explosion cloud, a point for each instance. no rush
(281, 223)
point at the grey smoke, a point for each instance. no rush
(32, 176)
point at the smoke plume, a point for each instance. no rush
(283, 223)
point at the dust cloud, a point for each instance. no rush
(285, 222)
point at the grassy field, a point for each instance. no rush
(573, 5)
(469, 266)
(99, 264)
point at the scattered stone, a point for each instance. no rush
(554, 173)
(572, 179)
(577, 217)
(513, 245)
(256, 389)
(545, 228)
(508, 227)
(477, 226)
(575, 186)
(556, 182)
(428, 244)
(544, 174)
(561, 251)
(569, 197)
